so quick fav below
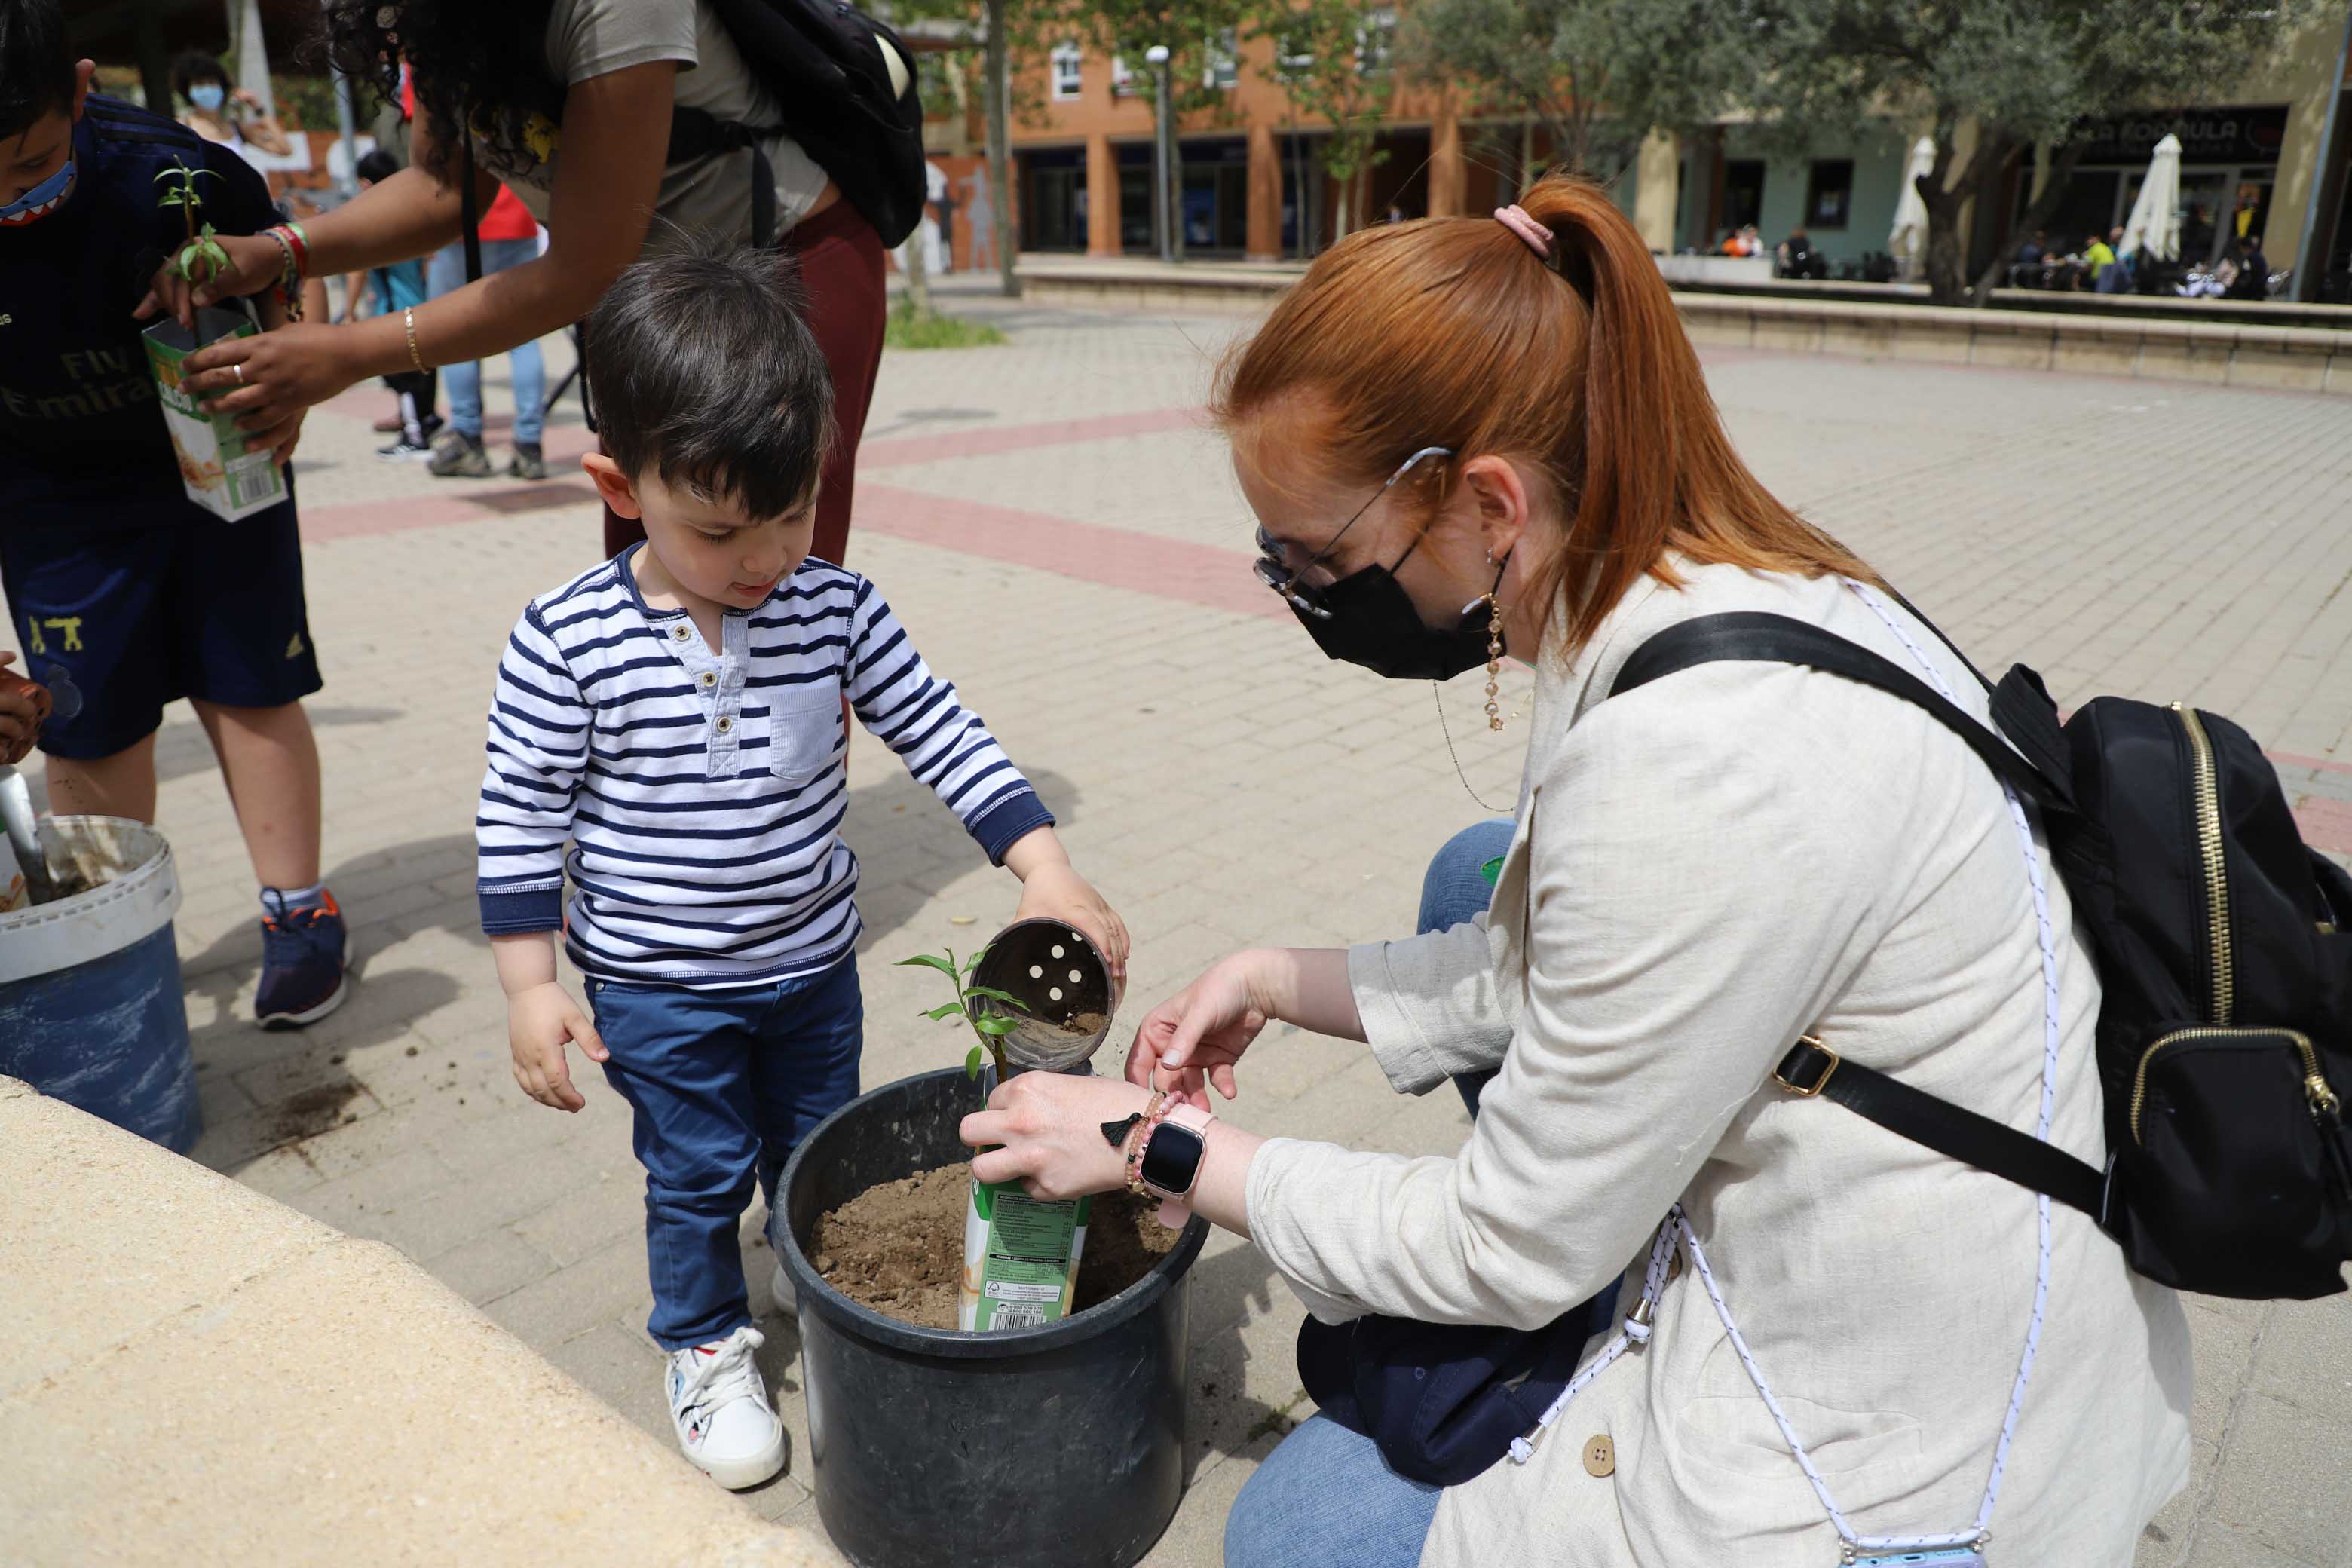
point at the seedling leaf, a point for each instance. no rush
(944, 1010)
(995, 995)
(930, 961)
(972, 1062)
(994, 1027)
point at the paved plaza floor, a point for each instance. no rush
(1064, 540)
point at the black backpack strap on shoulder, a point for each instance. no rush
(1758, 636)
(1812, 1068)
(1913, 611)
(699, 134)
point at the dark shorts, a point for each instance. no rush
(133, 618)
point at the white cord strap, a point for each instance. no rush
(1677, 1230)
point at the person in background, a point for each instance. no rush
(570, 103)
(1799, 258)
(2253, 275)
(510, 238)
(399, 286)
(125, 594)
(2115, 277)
(218, 112)
(2097, 257)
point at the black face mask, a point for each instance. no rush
(1373, 623)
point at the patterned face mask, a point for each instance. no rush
(40, 200)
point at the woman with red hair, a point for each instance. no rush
(1466, 438)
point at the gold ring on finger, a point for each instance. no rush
(240, 373)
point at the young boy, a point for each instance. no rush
(676, 716)
(126, 594)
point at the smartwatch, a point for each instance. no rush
(1171, 1160)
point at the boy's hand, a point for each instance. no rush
(24, 707)
(539, 1020)
(1057, 892)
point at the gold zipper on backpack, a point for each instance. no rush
(2204, 783)
(2324, 1103)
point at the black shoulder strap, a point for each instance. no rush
(1758, 636)
(2002, 1150)
(699, 134)
(1809, 1068)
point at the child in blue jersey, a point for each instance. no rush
(125, 595)
(668, 730)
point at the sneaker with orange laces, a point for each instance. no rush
(305, 960)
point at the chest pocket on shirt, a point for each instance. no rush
(803, 728)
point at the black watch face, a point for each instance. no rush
(1172, 1159)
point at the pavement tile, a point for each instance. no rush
(1223, 784)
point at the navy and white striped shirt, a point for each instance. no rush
(703, 789)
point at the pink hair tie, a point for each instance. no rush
(1516, 219)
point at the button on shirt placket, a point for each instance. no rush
(717, 688)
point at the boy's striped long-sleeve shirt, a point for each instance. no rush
(701, 789)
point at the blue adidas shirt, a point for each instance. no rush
(82, 442)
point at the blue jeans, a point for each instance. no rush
(1326, 1499)
(724, 1084)
(1454, 890)
(446, 275)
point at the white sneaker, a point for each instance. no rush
(788, 1300)
(725, 1423)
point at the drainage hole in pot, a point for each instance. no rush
(1055, 993)
(898, 1248)
(1037, 972)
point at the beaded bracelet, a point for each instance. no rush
(408, 319)
(1154, 1111)
(289, 281)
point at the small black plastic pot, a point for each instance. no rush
(1060, 1446)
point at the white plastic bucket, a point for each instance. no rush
(90, 1006)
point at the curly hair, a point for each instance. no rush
(479, 64)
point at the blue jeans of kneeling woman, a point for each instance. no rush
(725, 1084)
(1325, 1498)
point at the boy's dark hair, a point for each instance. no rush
(704, 373)
(190, 67)
(376, 165)
(37, 69)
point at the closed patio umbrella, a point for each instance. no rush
(2154, 225)
(1907, 240)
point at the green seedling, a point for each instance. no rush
(201, 260)
(978, 1005)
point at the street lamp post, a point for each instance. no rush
(1164, 213)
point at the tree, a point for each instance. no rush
(1552, 65)
(2025, 72)
(1199, 37)
(1334, 59)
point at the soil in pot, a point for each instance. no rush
(897, 1247)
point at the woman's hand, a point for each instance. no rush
(254, 263)
(1048, 1126)
(1198, 1034)
(269, 380)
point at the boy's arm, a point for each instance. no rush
(947, 748)
(537, 754)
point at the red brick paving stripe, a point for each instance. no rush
(2291, 760)
(1114, 557)
(2325, 824)
(998, 438)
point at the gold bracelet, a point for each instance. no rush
(408, 318)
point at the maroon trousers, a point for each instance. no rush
(840, 260)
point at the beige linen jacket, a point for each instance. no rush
(1703, 870)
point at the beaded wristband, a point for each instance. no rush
(289, 281)
(1154, 1111)
(408, 319)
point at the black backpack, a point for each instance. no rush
(2225, 947)
(822, 61)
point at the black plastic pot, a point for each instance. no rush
(1060, 1447)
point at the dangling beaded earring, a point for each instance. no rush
(1494, 660)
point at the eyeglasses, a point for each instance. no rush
(1304, 593)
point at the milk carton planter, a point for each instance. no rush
(1053, 1447)
(220, 471)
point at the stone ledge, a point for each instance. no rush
(195, 1373)
(2300, 359)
